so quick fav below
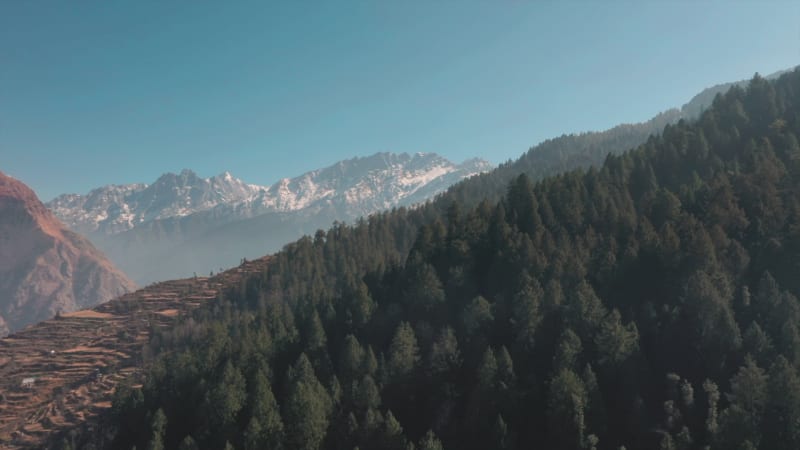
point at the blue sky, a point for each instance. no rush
(100, 92)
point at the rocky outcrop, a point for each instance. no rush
(46, 269)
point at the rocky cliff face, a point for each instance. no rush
(45, 268)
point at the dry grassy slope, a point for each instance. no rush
(64, 353)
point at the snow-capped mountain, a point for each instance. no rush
(358, 186)
(141, 226)
(361, 186)
(117, 208)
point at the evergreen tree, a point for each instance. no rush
(393, 437)
(158, 428)
(430, 442)
(567, 352)
(228, 397)
(444, 355)
(308, 408)
(188, 443)
(487, 371)
(742, 419)
(403, 351)
(782, 410)
(566, 408)
(477, 315)
(265, 429)
(615, 342)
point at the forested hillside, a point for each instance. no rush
(648, 303)
(583, 150)
(561, 154)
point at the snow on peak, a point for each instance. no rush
(113, 209)
(357, 186)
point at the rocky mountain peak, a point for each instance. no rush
(362, 185)
(20, 205)
(189, 218)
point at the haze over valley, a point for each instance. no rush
(183, 224)
(400, 226)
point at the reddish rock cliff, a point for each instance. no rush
(45, 268)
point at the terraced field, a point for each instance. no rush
(62, 372)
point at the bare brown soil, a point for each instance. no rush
(88, 314)
(169, 312)
(78, 359)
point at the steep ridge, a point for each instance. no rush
(586, 149)
(45, 268)
(76, 360)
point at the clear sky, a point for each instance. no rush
(100, 92)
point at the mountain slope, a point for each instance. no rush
(183, 223)
(45, 268)
(173, 238)
(650, 303)
(68, 392)
(587, 149)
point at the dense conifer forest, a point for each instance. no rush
(650, 302)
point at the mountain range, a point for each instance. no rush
(183, 224)
(668, 273)
(45, 269)
(647, 303)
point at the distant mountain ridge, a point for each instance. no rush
(187, 217)
(118, 208)
(45, 268)
(700, 102)
(359, 185)
(216, 221)
(670, 271)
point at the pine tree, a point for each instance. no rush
(393, 437)
(158, 428)
(596, 415)
(430, 442)
(712, 413)
(444, 354)
(265, 426)
(782, 410)
(308, 408)
(616, 342)
(477, 315)
(566, 407)
(228, 397)
(487, 371)
(403, 352)
(500, 432)
(188, 443)
(567, 352)
(742, 419)
(351, 359)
